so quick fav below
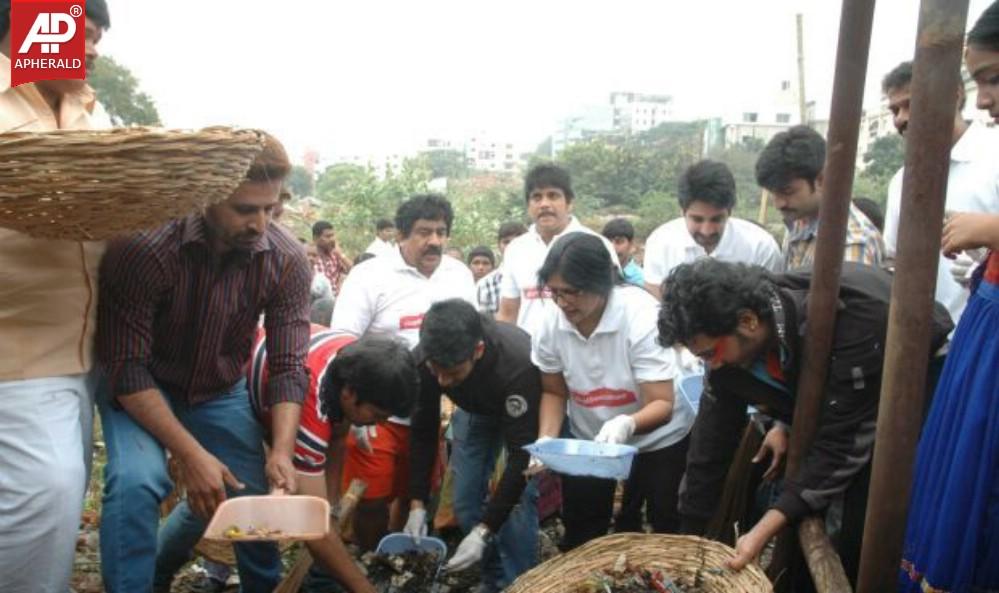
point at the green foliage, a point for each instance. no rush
(354, 198)
(445, 163)
(300, 183)
(481, 205)
(118, 91)
(884, 157)
(619, 171)
(741, 160)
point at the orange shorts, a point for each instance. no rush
(386, 469)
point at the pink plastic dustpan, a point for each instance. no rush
(274, 517)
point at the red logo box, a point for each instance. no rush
(48, 41)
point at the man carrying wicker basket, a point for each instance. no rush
(178, 314)
(47, 320)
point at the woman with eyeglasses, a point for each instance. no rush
(600, 361)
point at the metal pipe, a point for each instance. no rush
(841, 156)
(934, 88)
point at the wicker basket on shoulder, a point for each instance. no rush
(691, 562)
(88, 185)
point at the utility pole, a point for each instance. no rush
(802, 103)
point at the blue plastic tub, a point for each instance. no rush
(577, 457)
(399, 543)
(690, 389)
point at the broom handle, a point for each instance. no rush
(348, 502)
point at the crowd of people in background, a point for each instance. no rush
(254, 363)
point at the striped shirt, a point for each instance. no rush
(315, 427)
(864, 244)
(171, 316)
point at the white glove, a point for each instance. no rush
(536, 466)
(416, 525)
(617, 430)
(961, 269)
(363, 436)
(470, 549)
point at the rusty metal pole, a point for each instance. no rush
(841, 156)
(935, 82)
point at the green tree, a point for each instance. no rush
(300, 182)
(446, 163)
(355, 197)
(884, 157)
(118, 91)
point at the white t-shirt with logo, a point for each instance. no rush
(603, 372)
(972, 186)
(384, 296)
(671, 245)
(523, 258)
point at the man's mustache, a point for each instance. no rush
(433, 250)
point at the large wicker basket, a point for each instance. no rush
(691, 562)
(90, 185)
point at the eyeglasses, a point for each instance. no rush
(564, 294)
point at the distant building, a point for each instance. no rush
(638, 112)
(593, 121)
(484, 152)
(760, 121)
(382, 164)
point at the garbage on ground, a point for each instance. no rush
(413, 571)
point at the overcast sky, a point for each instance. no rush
(374, 76)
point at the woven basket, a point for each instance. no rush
(691, 562)
(89, 185)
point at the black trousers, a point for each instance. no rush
(654, 482)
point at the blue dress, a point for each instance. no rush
(952, 538)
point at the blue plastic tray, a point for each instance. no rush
(690, 389)
(399, 543)
(577, 457)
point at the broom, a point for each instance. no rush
(348, 502)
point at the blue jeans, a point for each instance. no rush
(136, 482)
(514, 550)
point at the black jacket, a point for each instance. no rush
(844, 439)
(504, 384)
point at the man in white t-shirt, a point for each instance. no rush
(707, 229)
(972, 186)
(384, 241)
(549, 195)
(387, 296)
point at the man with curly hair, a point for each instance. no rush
(749, 328)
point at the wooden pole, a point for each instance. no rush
(934, 86)
(844, 127)
(764, 204)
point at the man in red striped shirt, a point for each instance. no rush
(177, 316)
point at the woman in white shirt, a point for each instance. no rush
(599, 359)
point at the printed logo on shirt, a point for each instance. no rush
(411, 321)
(604, 397)
(516, 406)
(533, 293)
(47, 41)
